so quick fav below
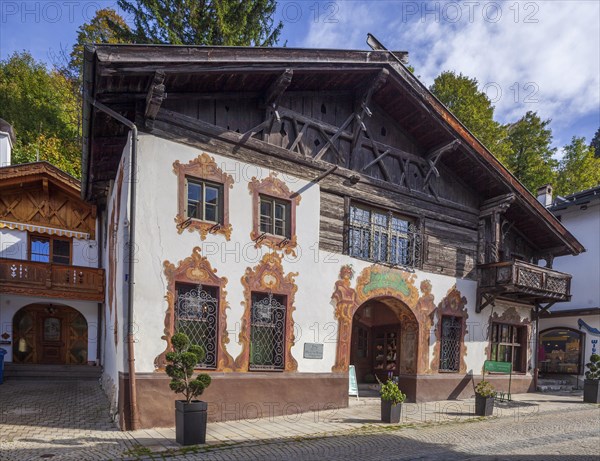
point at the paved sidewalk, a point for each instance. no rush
(69, 420)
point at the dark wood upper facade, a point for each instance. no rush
(357, 122)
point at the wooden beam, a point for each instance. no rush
(434, 157)
(154, 97)
(277, 88)
(376, 160)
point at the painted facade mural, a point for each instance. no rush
(203, 168)
(268, 277)
(196, 270)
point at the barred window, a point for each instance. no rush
(196, 315)
(451, 332)
(267, 332)
(508, 344)
(383, 236)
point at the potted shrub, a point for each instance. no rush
(591, 384)
(190, 414)
(391, 402)
(484, 398)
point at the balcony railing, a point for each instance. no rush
(51, 280)
(521, 280)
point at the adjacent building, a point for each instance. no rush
(51, 288)
(296, 212)
(570, 331)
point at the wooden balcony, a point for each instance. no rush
(29, 278)
(522, 281)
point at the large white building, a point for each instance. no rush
(570, 331)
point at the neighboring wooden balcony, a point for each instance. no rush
(522, 281)
(31, 278)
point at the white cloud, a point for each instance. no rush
(550, 49)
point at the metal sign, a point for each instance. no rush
(497, 367)
(313, 351)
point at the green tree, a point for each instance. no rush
(579, 169)
(473, 108)
(530, 157)
(209, 22)
(595, 144)
(105, 27)
(43, 109)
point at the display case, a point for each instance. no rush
(386, 351)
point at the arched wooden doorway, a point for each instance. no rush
(385, 335)
(50, 334)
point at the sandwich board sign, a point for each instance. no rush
(352, 383)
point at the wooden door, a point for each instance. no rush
(52, 338)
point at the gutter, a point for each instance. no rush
(134, 418)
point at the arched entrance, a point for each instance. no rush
(560, 351)
(384, 343)
(50, 334)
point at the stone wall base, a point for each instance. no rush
(233, 396)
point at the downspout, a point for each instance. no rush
(100, 255)
(134, 421)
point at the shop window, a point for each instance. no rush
(196, 315)
(509, 344)
(560, 351)
(383, 236)
(267, 332)
(450, 342)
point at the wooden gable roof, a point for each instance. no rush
(120, 77)
(40, 197)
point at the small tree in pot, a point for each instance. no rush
(391, 402)
(484, 398)
(190, 414)
(591, 385)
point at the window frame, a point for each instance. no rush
(514, 330)
(202, 203)
(202, 169)
(51, 239)
(274, 188)
(413, 236)
(460, 319)
(216, 295)
(274, 201)
(282, 299)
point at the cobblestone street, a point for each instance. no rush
(68, 420)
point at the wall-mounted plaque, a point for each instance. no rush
(313, 351)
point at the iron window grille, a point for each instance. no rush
(196, 315)
(508, 344)
(275, 216)
(267, 332)
(451, 332)
(204, 200)
(383, 236)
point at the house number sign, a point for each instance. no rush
(313, 351)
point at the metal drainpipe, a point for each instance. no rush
(134, 421)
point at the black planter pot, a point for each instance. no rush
(190, 422)
(591, 391)
(390, 413)
(484, 406)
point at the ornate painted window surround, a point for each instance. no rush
(276, 188)
(453, 305)
(268, 277)
(204, 168)
(196, 269)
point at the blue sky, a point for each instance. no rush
(527, 55)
